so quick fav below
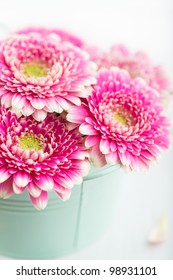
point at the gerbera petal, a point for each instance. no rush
(105, 146)
(6, 188)
(6, 100)
(38, 103)
(78, 119)
(91, 141)
(87, 129)
(21, 179)
(78, 155)
(63, 103)
(34, 190)
(112, 158)
(113, 146)
(76, 177)
(125, 158)
(64, 181)
(39, 115)
(18, 189)
(96, 158)
(44, 182)
(82, 110)
(63, 193)
(41, 201)
(18, 101)
(84, 167)
(74, 99)
(4, 174)
(53, 106)
(27, 110)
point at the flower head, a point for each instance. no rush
(39, 156)
(41, 74)
(137, 64)
(122, 120)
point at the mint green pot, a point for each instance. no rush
(63, 227)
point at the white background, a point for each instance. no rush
(146, 25)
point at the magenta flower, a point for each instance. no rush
(39, 157)
(41, 74)
(137, 64)
(122, 120)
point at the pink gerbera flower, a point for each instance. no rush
(39, 156)
(122, 120)
(40, 74)
(137, 64)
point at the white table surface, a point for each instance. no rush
(144, 196)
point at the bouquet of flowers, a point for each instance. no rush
(67, 106)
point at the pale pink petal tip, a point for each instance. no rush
(33, 190)
(40, 202)
(4, 174)
(96, 158)
(45, 183)
(159, 232)
(21, 179)
(6, 189)
(17, 189)
(64, 194)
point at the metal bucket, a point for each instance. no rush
(63, 227)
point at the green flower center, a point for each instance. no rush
(30, 142)
(35, 69)
(121, 119)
